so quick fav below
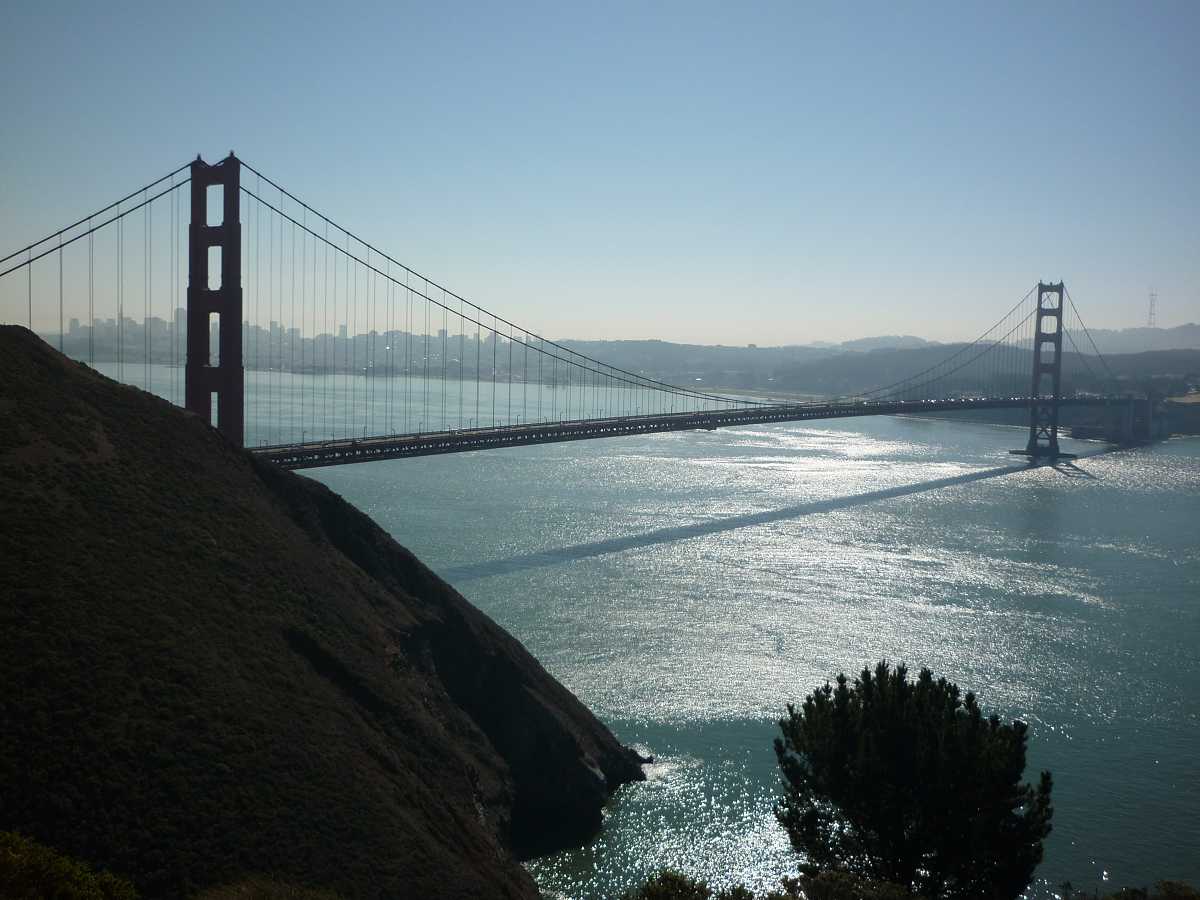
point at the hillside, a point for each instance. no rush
(861, 365)
(850, 373)
(213, 668)
(1141, 340)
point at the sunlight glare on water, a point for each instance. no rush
(687, 586)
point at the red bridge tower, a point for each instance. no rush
(218, 382)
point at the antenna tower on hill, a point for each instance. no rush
(1151, 316)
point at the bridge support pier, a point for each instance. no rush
(1047, 376)
(221, 380)
(1120, 423)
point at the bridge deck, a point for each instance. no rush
(341, 452)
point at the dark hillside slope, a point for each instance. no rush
(210, 667)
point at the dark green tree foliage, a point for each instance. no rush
(669, 885)
(29, 871)
(261, 888)
(907, 782)
(1163, 890)
(839, 886)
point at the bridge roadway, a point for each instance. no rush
(340, 452)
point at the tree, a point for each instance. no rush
(1163, 890)
(907, 782)
(670, 885)
(31, 871)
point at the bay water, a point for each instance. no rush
(688, 586)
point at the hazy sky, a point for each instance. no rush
(731, 172)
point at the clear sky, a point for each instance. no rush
(732, 172)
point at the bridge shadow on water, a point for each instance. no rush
(575, 552)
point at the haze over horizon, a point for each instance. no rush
(691, 172)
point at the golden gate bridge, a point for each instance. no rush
(365, 358)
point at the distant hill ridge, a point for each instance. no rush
(1125, 340)
(214, 668)
(887, 342)
(1141, 340)
(869, 363)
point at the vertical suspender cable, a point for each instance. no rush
(271, 323)
(279, 382)
(175, 276)
(368, 366)
(149, 220)
(462, 334)
(325, 432)
(256, 209)
(244, 325)
(173, 322)
(341, 361)
(352, 333)
(426, 414)
(121, 299)
(303, 313)
(295, 329)
(407, 351)
(495, 341)
(259, 369)
(445, 328)
(60, 295)
(145, 298)
(91, 299)
(478, 353)
(391, 340)
(317, 371)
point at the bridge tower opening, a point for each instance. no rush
(1045, 393)
(223, 381)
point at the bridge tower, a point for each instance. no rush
(1047, 375)
(221, 380)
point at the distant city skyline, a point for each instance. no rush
(305, 349)
(770, 174)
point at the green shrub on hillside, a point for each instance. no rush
(260, 888)
(839, 886)
(29, 871)
(1163, 890)
(907, 782)
(668, 885)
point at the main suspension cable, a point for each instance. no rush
(58, 247)
(595, 365)
(1082, 325)
(650, 382)
(94, 215)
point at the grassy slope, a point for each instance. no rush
(212, 668)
